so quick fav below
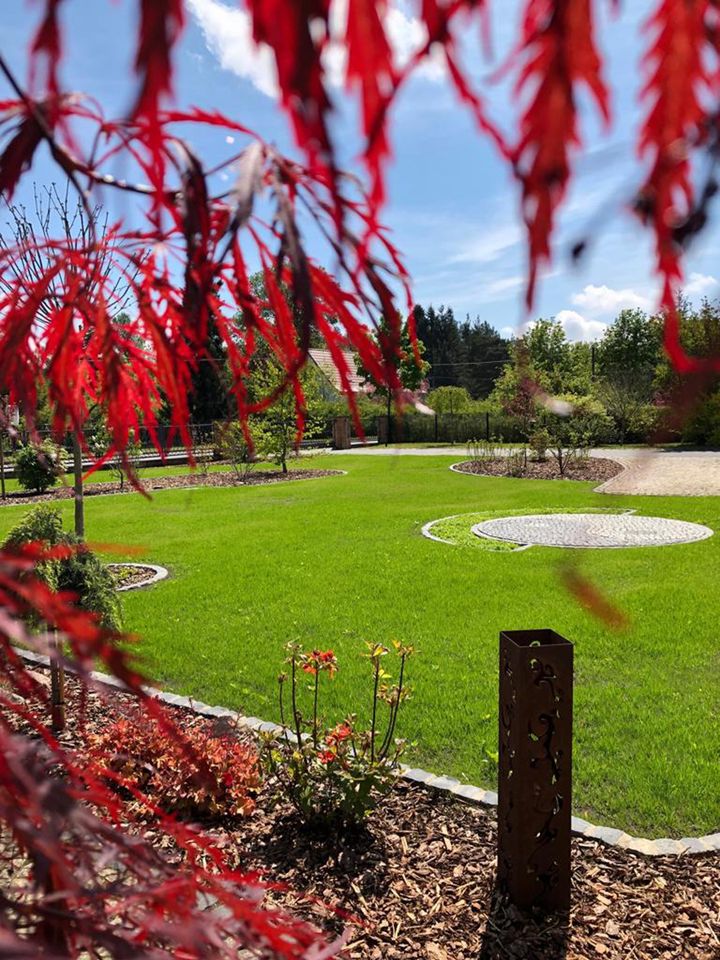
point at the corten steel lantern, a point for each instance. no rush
(535, 768)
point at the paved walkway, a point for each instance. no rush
(693, 473)
(690, 473)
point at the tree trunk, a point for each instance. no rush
(389, 416)
(57, 688)
(2, 465)
(78, 487)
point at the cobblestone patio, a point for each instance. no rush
(591, 530)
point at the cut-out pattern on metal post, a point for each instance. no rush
(535, 768)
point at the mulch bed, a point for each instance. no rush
(126, 576)
(224, 479)
(596, 469)
(420, 882)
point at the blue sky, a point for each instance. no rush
(452, 208)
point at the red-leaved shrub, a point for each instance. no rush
(140, 752)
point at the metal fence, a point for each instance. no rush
(454, 428)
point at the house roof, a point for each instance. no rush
(324, 362)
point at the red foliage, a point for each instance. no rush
(682, 73)
(557, 55)
(189, 262)
(141, 753)
(90, 879)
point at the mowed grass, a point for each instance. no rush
(340, 560)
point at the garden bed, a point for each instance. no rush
(131, 576)
(226, 478)
(596, 469)
(419, 881)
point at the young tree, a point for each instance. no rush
(277, 430)
(405, 371)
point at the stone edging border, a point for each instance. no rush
(599, 489)
(427, 528)
(159, 573)
(665, 846)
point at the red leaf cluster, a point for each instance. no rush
(141, 753)
(87, 878)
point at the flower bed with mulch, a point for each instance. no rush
(130, 574)
(596, 469)
(418, 882)
(217, 479)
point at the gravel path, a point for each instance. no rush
(689, 473)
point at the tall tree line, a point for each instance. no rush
(468, 353)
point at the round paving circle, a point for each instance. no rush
(591, 530)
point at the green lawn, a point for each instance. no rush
(338, 560)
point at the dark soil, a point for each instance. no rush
(593, 468)
(225, 479)
(418, 883)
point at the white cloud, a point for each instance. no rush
(489, 246)
(604, 301)
(228, 35)
(701, 285)
(503, 285)
(578, 327)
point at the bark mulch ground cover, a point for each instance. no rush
(419, 881)
(596, 469)
(128, 575)
(220, 479)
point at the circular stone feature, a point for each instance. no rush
(591, 530)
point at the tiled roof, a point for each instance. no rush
(324, 361)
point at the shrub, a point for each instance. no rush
(703, 428)
(483, 451)
(516, 462)
(141, 753)
(335, 775)
(80, 572)
(231, 444)
(539, 441)
(39, 466)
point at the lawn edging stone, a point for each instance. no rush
(158, 573)
(610, 836)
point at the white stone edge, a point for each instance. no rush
(426, 532)
(159, 573)
(664, 846)
(599, 489)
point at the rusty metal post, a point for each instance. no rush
(57, 687)
(535, 768)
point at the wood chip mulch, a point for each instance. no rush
(597, 469)
(126, 576)
(418, 883)
(217, 479)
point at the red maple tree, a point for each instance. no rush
(189, 263)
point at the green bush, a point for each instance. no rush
(40, 466)
(81, 572)
(703, 428)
